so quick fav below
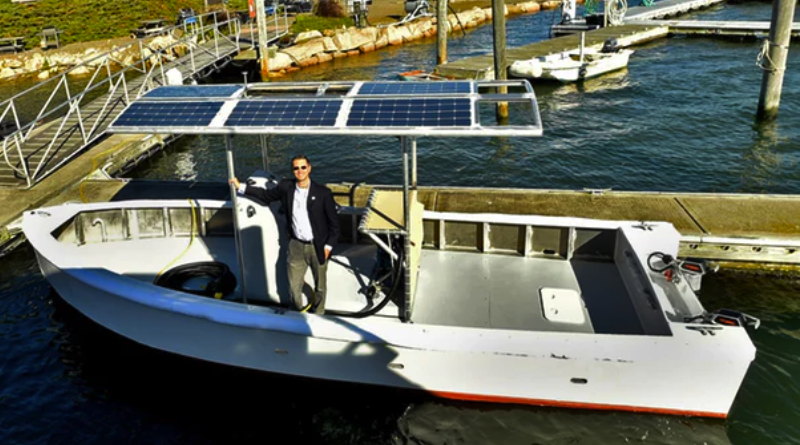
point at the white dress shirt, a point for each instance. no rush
(300, 222)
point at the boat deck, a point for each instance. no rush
(503, 292)
(348, 270)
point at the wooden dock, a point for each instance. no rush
(481, 67)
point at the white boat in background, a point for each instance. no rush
(488, 307)
(572, 66)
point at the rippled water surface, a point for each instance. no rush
(679, 118)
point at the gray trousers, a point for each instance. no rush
(302, 256)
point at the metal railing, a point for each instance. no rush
(31, 147)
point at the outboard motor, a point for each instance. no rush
(610, 46)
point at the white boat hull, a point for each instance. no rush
(688, 372)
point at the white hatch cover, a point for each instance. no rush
(562, 305)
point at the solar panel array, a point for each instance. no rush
(393, 108)
(285, 113)
(410, 113)
(191, 91)
(414, 88)
(166, 114)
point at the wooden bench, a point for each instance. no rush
(12, 44)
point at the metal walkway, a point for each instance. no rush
(71, 117)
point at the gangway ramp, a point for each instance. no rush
(63, 129)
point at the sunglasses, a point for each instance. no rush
(300, 167)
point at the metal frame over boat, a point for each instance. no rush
(503, 308)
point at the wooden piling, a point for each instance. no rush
(442, 26)
(500, 66)
(263, 51)
(774, 58)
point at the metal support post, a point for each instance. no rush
(404, 147)
(500, 67)
(442, 28)
(413, 163)
(406, 239)
(774, 57)
(232, 174)
(264, 140)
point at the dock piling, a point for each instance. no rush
(773, 58)
(500, 66)
(263, 52)
(442, 28)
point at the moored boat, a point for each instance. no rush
(419, 75)
(574, 65)
(478, 306)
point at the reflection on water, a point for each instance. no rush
(451, 422)
(766, 156)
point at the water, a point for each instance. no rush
(680, 118)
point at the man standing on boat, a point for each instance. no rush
(313, 228)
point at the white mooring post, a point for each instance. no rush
(775, 52)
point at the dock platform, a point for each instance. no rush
(481, 67)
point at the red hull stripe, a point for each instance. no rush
(580, 405)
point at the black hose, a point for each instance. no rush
(396, 280)
(668, 260)
(221, 280)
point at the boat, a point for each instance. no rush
(574, 65)
(486, 307)
(419, 75)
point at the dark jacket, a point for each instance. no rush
(321, 211)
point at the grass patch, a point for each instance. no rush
(85, 20)
(309, 22)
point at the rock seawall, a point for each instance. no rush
(313, 48)
(82, 60)
(310, 48)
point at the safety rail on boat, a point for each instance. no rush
(71, 116)
(480, 233)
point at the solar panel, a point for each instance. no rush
(288, 113)
(414, 88)
(430, 112)
(189, 91)
(168, 114)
